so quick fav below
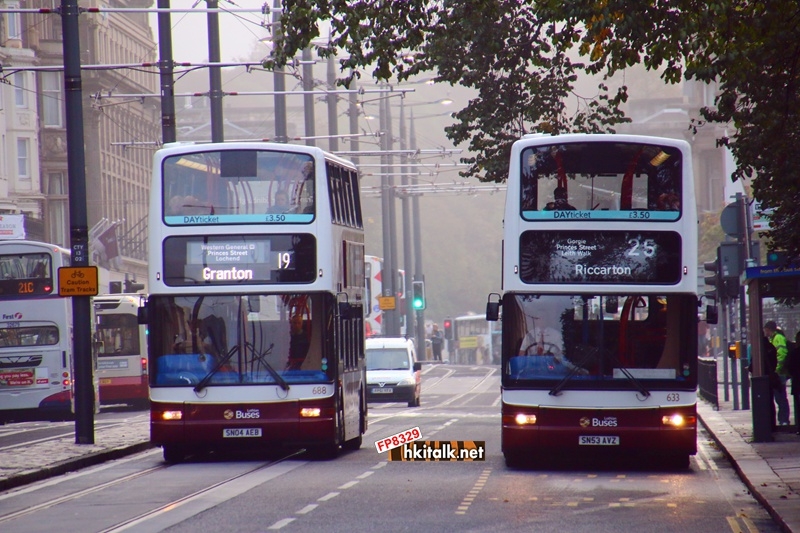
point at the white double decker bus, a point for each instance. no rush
(599, 309)
(256, 295)
(36, 356)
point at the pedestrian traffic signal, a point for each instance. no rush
(418, 295)
(448, 329)
(735, 349)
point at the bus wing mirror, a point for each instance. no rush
(493, 308)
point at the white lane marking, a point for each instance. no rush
(281, 523)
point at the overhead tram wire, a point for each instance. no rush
(439, 189)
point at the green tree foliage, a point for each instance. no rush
(521, 58)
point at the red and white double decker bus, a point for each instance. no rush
(599, 310)
(121, 347)
(256, 295)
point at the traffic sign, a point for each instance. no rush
(78, 281)
(387, 303)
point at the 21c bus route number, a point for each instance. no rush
(673, 397)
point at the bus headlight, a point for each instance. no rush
(310, 412)
(172, 415)
(523, 419)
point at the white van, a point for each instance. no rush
(393, 372)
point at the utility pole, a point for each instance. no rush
(79, 228)
(392, 258)
(330, 99)
(215, 75)
(406, 216)
(165, 66)
(417, 238)
(279, 81)
(389, 273)
(308, 98)
(353, 116)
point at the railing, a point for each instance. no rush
(707, 380)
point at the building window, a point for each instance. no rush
(20, 90)
(51, 99)
(14, 21)
(23, 158)
(57, 221)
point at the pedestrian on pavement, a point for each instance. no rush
(793, 366)
(437, 341)
(778, 381)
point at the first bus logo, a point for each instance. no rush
(15, 316)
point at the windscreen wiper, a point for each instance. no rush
(636, 383)
(260, 357)
(555, 391)
(222, 361)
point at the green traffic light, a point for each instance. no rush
(417, 303)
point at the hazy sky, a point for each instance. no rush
(240, 35)
(239, 32)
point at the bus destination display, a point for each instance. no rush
(239, 259)
(648, 257)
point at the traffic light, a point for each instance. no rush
(776, 258)
(448, 329)
(131, 286)
(714, 280)
(418, 295)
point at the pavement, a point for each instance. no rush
(770, 470)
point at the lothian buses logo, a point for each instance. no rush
(228, 414)
(605, 422)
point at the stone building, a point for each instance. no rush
(120, 134)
